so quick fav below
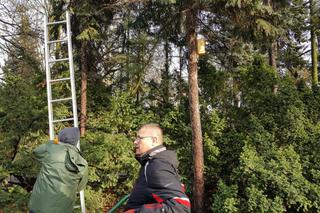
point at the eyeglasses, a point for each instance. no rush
(139, 138)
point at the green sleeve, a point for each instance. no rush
(40, 152)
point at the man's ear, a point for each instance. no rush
(155, 140)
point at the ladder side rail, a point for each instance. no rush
(71, 69)
(73, 92)
(48, 77)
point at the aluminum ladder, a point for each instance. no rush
(49, 81)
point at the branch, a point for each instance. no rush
(16, 146)
(10, 42)
(24, 182)
(305, 52)
(8, 23)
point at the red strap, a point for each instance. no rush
(130, 211)
(157, 198)
(183, 202)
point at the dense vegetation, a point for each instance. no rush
(259, 99)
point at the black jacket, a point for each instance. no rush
(158, 183)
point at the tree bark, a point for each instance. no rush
(84, 81)
(314, 46)
(273, 52)
(165, 78)
(198, 185)
(180, 79)
(318, 49)
(273, 49)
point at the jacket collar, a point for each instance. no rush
(143, 158)
(65, 144)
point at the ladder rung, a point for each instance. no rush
(61, 99)
(60, 79)
(57, 41)
(62, 120)
(57, 60)
(56, 22)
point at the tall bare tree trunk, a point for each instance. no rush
(179, 76)
(273, 52)
(273, 49)
(84, 81)
(318, 49)
(314, 46)
(166, 77)
(198, 186)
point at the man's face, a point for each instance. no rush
(144, 141)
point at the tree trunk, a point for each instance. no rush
(314, 46)
(273, 49)
(318, 49)
(198, 185)
(166, 77)
(84, 81)
(179, 76)
(273, 52)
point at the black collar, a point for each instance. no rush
(143, 158)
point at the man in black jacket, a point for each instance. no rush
(158, 187)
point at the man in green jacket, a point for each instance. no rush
(64, 172)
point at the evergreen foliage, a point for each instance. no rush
(261, 147)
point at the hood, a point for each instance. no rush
(168, 155)
(70, 135)
(74, 162)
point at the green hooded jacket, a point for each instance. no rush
(64, 172)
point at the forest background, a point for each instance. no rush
(259, 97)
